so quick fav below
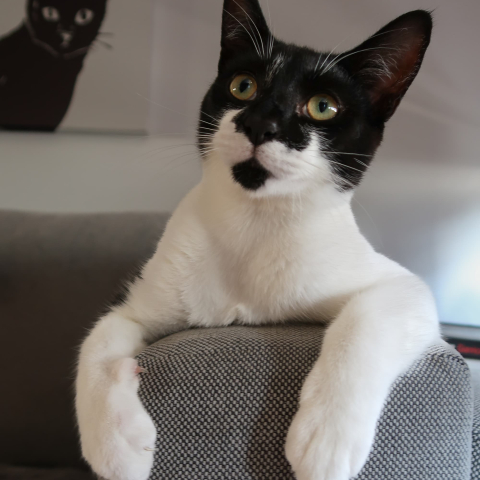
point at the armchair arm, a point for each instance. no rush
(223, 399)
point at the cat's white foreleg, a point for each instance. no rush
(379, 333)
(117, 435)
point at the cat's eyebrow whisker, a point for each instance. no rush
(331, 51)
(271, 29)
(245, 28)
(331, 64)
(258, 31)
(349, 36)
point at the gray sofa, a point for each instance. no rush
(222, 398)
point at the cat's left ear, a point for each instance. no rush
(388, 61)
(243, 28)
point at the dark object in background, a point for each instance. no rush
(40, 61)
(467, 347)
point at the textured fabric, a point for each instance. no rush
(222, 400)
(476, 434)
(57, 273)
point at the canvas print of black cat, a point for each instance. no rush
(41, 59)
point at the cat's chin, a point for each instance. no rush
(250, 174)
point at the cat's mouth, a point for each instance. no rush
(250, 174)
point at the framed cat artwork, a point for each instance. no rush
(76, 65)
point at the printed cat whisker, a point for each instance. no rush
(103, 43)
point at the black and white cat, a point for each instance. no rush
(268, 235)
(40, 61)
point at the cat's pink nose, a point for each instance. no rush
(260, 130)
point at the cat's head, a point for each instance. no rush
(65, 27)
(285, 118)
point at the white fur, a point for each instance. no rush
(291, 249)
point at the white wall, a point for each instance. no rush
(420, 202)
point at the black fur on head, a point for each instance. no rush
(65, 27)
(367, 82)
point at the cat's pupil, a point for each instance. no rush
(245, 85)
(322, 106)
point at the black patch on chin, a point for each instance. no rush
(250, 174)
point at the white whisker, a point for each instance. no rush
(243, 26)
(347, 153)
(208, 128)
(330, 66)
(258, 31)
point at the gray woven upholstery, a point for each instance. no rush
(476, 435)
(223, 398)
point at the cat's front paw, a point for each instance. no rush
(326, 442)
(117, 435)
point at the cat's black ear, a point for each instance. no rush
(243, 28)
(388, 61)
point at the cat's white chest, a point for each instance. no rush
(253, 268)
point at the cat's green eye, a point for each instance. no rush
(243, 87)
(322, 107)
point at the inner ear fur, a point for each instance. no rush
(387, 62)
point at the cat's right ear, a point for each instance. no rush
(243, 28)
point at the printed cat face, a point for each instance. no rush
(285, 118)
(65, 27)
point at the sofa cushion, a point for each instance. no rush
(222, 400)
